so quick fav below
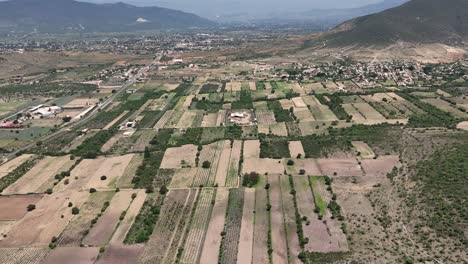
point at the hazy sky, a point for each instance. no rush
(213, 7)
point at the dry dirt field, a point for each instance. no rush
(244, 255)
(212, 242)
(111, 167)
(296, 149)
(251, 149)
(82, 255)
(262, 166)
(104, 228)
(463, 125)
(180, 157)
(339, 167)
(22, 255)
(46, 218)
(42, 172)
(14, 207)
(363, 149)
(121, 254)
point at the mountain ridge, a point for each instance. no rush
(61, 16)
(418, 21)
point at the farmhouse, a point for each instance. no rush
(46, 111)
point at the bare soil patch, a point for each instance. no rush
(102, 231)
(121, 254)
(296, 149)
(363, 149)
(381, 166)
(262, 166)
(44, 170)
(210, 252)
(46, 218)
(339, 167)
(111, 167)
(14, 207)
(278, 232)
(183, 178)
(223, 164)
(176, 158)
(246, 239)
(132, 212)
(82, 255)
(251, 149)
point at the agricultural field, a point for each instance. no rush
(228, 148)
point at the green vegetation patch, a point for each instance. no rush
(245, 101)
(444, 177)
(275, 148)
(209, 88)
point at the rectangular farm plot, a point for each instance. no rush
(176, 158)
(298, 102)
(212, 154)
(310, 167)
(381, 166)
(22, 255)
(265, 117)
(352, 111)
(46, 218)
(189, 117)
(102, 231)
(233, 172)
(296, 149)
(278, 233)
(164, 119)
(79, 224)
(183, 178)
(15, 207)
(251, 149)
(110, 167)
(43, 171)
(121, 254)
(322, 197)
(82, 255)
(290, 220)
(209, 120)
(446, 107)
(132, 212)
(319, 111)
(339, 167)
(244, 254)
(316, 231)
(223, 164)
(230, 243)
(213, 238)
(167, 229)
(279, 129)
(262, 166)
(303, 114)
(261, 227)
(197, 229)
(11, 165)
(368, 112)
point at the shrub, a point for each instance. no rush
(49, 191)
(70, 204)
(206, 164)
(290, 162)
(31, 207)
(250, 179)
(302, 171)
(75, 210)
(103, 178)
(92, 190)
(163, 190)
(134, 195)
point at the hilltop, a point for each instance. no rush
(62, 16)
(418, 21)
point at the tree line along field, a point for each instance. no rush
(178, 190)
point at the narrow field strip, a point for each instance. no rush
(199, 224)
(260, 247)
(233, 173)
(210, 252)
(230, 242)
(171, 213)
(289, 215)
(244, 255)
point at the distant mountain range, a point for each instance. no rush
(418, 21)
(60, 16)
(348, 13)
